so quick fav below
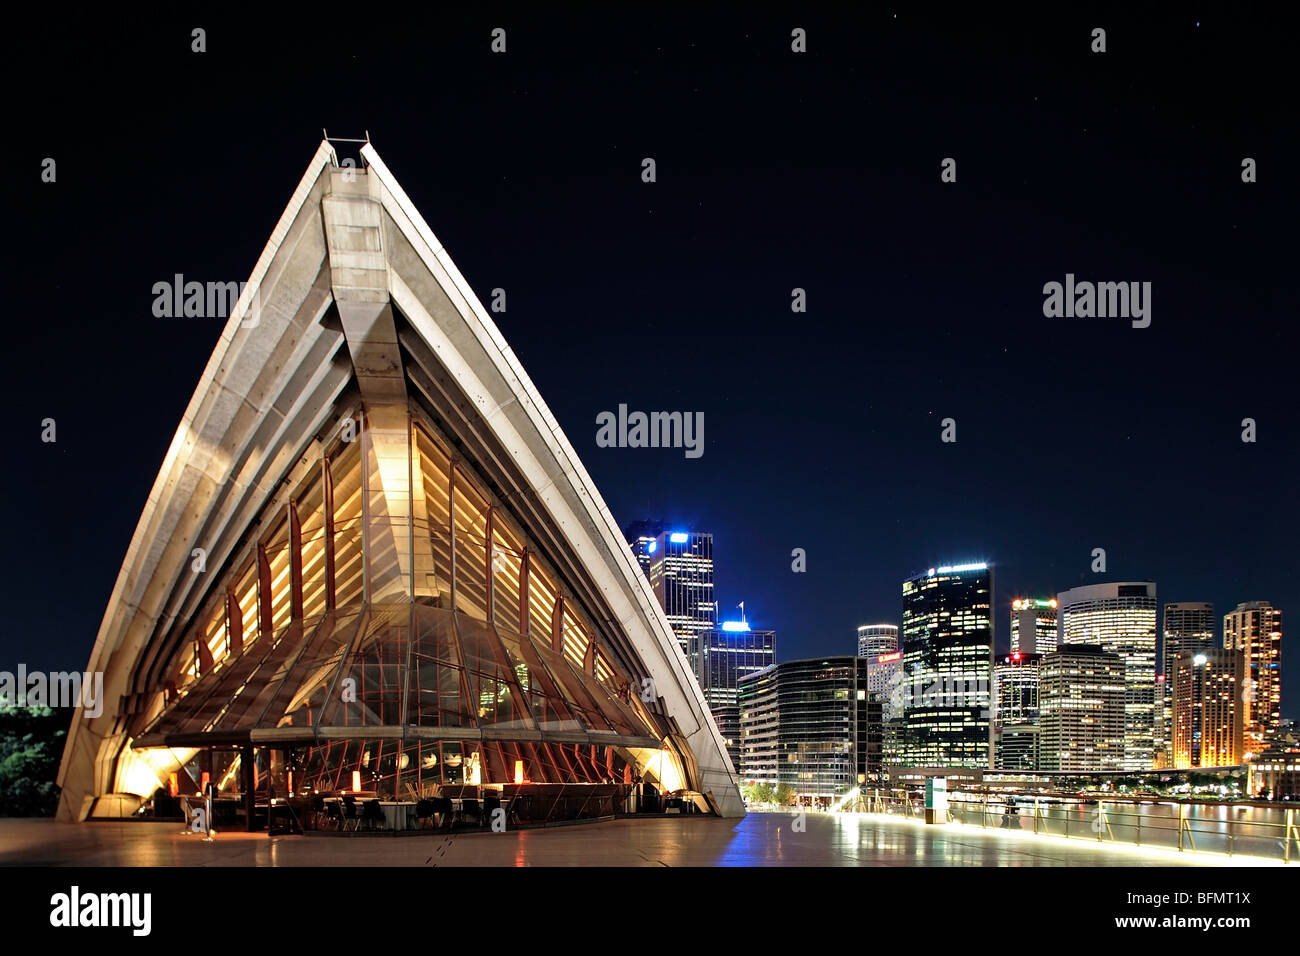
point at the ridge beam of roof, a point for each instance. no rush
(353, 219)
(359, 280)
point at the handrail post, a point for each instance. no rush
(1290, 829)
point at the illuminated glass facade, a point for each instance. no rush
(811, 724)
(1255, 629)
(885, 680)
(1015, 711)
(642, 539)
(1121, 618)
(407, 632)
(1189, 627)
(876, 639)
(1082, 699)
(947, 647)
(1033, 625)
(719, 658)
(760, 731)
(681, 574)
(1208, 708)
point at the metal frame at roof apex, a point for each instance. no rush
(334, 156)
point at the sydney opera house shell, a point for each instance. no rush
(372, 562)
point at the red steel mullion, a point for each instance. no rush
(295, 562)
(557, 626)
(234, 622)
(265, 620)
(491, 576)
(570, 775)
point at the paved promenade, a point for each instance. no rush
(760, 839)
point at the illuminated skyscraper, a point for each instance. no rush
(1190, 627)
(876, 639)
(810, 724)
(681, 574)
(1016, 711)
(947, 645)
(1255, 629)
(642, 539)
(719, 658)
(878, 643)
(1208, 708)
(885, 680)
(1121, 618)
(1081, 695)
(1033, 625)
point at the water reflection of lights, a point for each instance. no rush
(1151, 853)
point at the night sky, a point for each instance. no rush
(775, 170)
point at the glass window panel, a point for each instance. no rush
(547, 702)
(217, 634)
(575, 695)
(471, 575)
(299, 698)
(541, 600)
(246, 597)
(439, 700)
(434, 467)
(386, 528)
(376, 666)
(505, 578)
(436, 523)
(470, 511)
(254, 706)
(345, 470)
(239, 682)
(493, 680)
(575, 637)
(277, 555)
(209, 698)
(311, 520)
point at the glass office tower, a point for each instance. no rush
(1208, 708)
(1255, 629)
(1082, 699)
(813, 725)
(681, 573)
(1016, 711)
(1190, 627)
(719, 658)
(947, 646)
(876, 639)
(642, 538)
(1121, 618)
(1033, 625)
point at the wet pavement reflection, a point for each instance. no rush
(760, 839)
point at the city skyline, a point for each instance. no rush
(1005, 602)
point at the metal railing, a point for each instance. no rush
(1255, 829)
